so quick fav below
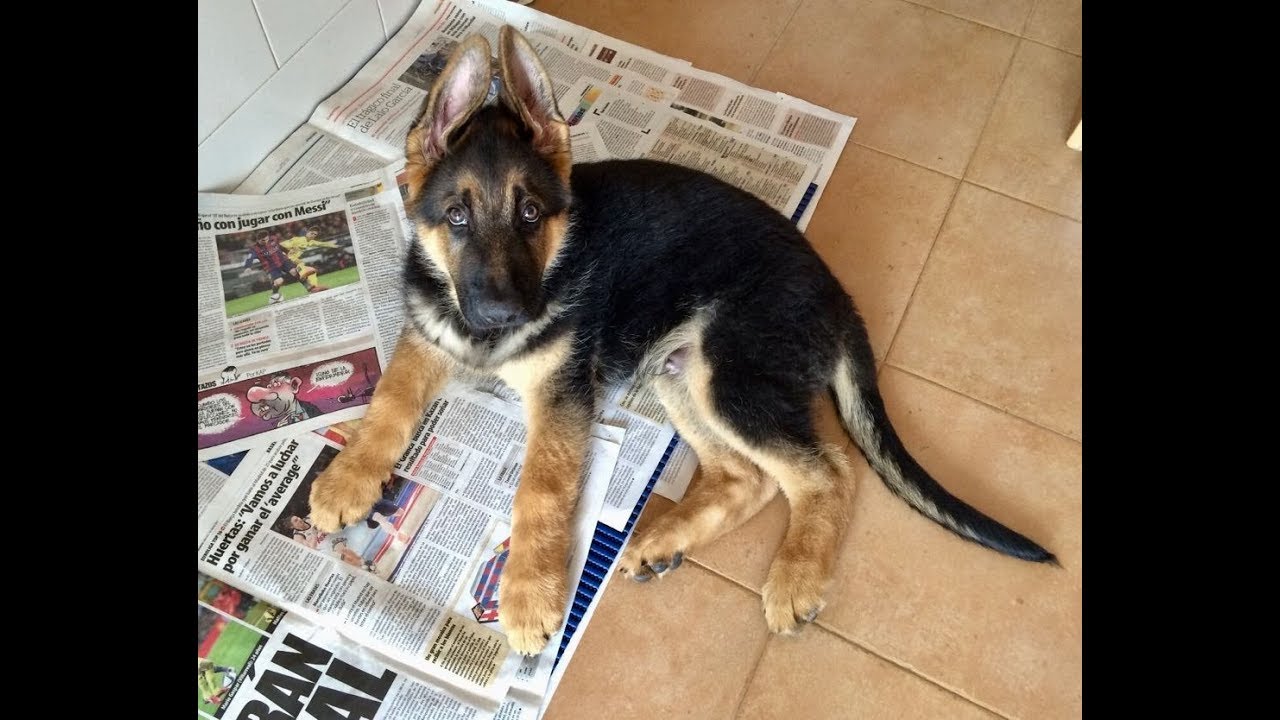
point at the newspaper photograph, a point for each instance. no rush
(256, 661)
(299, 307)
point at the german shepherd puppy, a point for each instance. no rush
(560, 278)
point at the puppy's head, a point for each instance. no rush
(489, 184)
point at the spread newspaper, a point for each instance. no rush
(299, 310)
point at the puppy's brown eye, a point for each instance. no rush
(456, 215)
(530, 213)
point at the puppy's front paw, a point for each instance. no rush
(343, 495)
(792, 595)
(531, 609)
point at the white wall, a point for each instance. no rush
(264, 65)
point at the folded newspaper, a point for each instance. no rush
(299, 311)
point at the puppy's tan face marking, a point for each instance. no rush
(491, 225)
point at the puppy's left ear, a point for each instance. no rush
(527, 89)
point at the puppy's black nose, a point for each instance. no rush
(501, 313)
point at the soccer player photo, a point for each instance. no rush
(278, 263)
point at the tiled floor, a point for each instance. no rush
(954, 218)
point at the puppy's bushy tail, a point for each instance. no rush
(862, 413)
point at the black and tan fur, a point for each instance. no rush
(561, 278)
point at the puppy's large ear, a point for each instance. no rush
(527, 89)
(457, 94)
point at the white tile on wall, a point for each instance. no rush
(291, 23)
(233, 59)
(396, 12)
(286, 101)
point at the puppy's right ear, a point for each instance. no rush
(457, 94)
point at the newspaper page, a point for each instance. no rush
(631, 127)
(416, 581)
(299, 307)
(470, 448)
(310, 156)
(254, 660)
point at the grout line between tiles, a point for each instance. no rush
(1051, 211)
(262, 24)
(1042, 43)
(980, 401)
(382, 19)
(886, 153)
(902, 319)
(951, 203)
(986, 123)
(1022, 32)
(913, 671)
(751, 676)
(966, 19)
(765, 60)
(722, 576)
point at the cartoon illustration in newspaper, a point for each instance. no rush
(255, 405)
(276, 263)
(376, 544)
(277, 400)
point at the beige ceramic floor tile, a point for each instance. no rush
(730, 37)
(921, 83)
(679, 647)
(1007, 15)
(1024, 150)
(1058, 23)
(1004, 632)
(874, 226)
(997, 314)
(818, 676)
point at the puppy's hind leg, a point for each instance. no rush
(728, 491)
(768, 418)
